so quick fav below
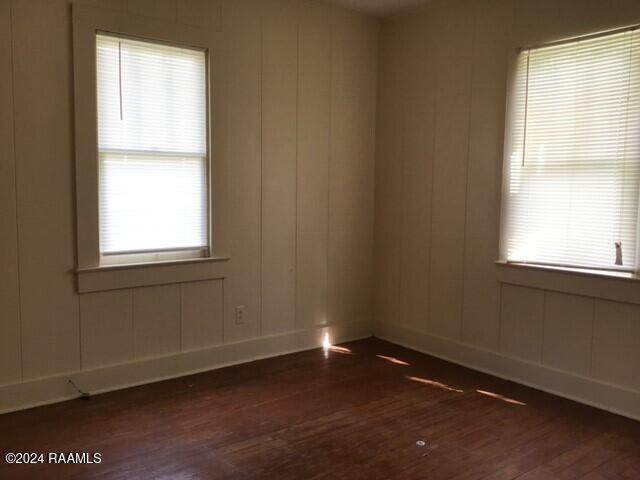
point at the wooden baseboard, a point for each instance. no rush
(590, 391)
(48, 390)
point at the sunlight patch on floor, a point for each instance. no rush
(393, 360)
(433, 383)
(500, 397)
(343, 350)
(327, 347)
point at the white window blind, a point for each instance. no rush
(574, 154)
(152, 142)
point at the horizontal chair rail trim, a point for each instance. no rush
(619, 288)
(115, 277)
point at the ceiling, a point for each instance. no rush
(379, 7)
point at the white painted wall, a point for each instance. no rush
(300, 90)
(442, 96)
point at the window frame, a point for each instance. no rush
(88, 21)
(509, 118)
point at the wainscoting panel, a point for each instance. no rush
(202, 314)
(522, 322)
(568, 332)
(616, 356)
(106, 328)
(156, 320)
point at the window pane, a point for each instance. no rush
(153, 146)
(152, 202)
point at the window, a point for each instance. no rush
(152, 150)
(150, 156)
(572, 168)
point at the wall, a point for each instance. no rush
(299, 135)
(442, 96)
(299, 132)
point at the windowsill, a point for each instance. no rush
(608, 285)
(132, 275)
(579, 271)
(161, 263)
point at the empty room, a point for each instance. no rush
(320, 239)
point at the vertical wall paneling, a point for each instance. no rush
(202, 314)
(162, 9)
(44, 163)
(10, 364)
(243, 31)
(453, 73)
(201, 13)
(314, 123)
(354, 60)
(616, 336)
(388, 175)
(480, 314)
(279, 140)
(522, 322)
(417, 165)
(156, 320)
(116, 5)
(106, 328)
(218, 83)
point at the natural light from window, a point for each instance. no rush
(573, 154)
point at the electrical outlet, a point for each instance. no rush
(240, 314)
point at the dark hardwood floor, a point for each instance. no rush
(359, 413)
